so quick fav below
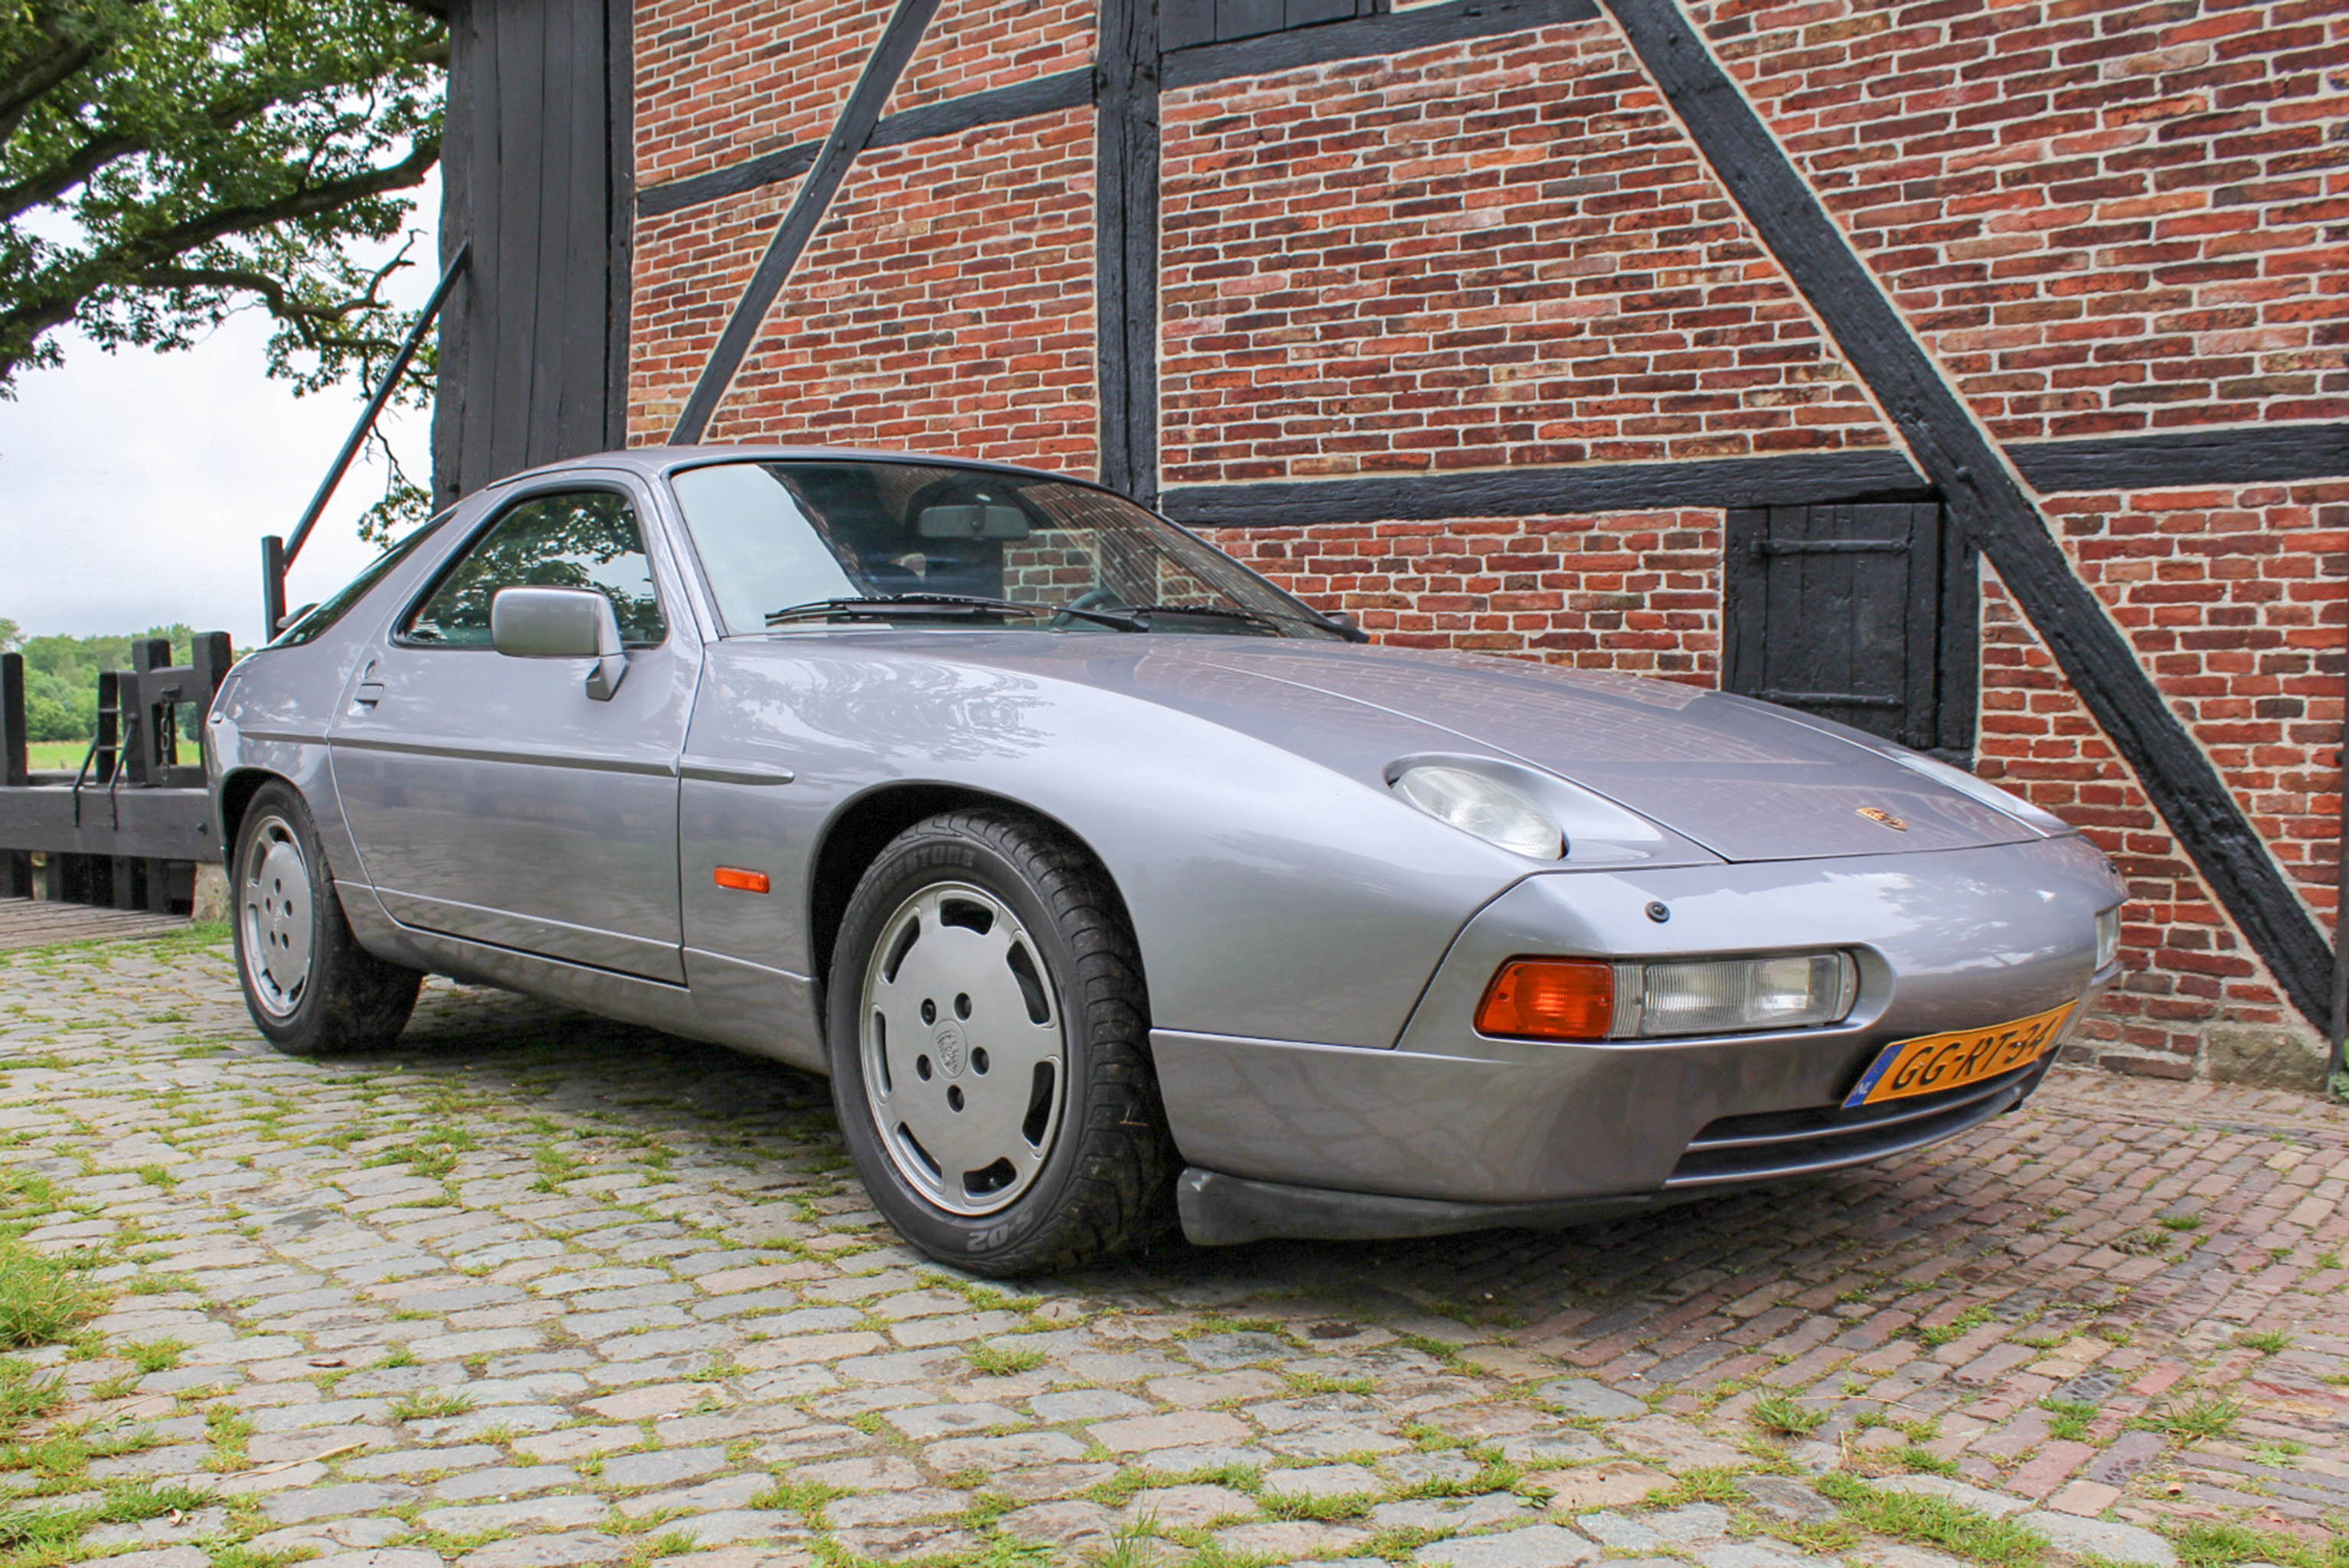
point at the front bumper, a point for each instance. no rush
(1217, 1209)
(1451, 1130)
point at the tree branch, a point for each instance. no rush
(23, 325)
(47, 185)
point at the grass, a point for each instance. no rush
(2204, 1415)
(228, 1428)
(51, 755)
(2271, 1341)
(1322, 1383)
(27, 1394)
(2071, 1420)
(2210, 1544)
(1965, 1532)
(1942, 1334)
(1325, 1509)
(42, 1299)
(432, 1153)
(996, 1362)
(430, 1404)
(669, 1544)
(155, 1354)
(1123, 1488)
(1786, 1416)
(1703, 1483)
(57, 1530)
(804, 1498)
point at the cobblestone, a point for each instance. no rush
(535, 1290)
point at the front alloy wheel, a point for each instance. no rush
(965, 1066)
(989, 1042)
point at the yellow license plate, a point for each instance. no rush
(1931, 1063)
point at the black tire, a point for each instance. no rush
(1104, 1182)
(346, 998)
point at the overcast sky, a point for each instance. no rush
(135, 487)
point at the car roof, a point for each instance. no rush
(655, 461)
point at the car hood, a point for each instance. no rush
(1743, 779)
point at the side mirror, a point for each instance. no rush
(561, 623)
(1345, 622)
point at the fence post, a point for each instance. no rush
(15, 866)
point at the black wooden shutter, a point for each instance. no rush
(1182, 23)
(1863, 613)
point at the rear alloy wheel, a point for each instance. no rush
(990, 1048)
(311, 988)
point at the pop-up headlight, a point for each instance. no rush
(1485, 807)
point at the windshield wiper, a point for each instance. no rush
(1218, 612)
(888, 605)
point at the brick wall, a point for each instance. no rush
(945, 305)
(1489, 253)
(1638, 592)
(688, 268)
(974, 45)
(719, 81)
(2234, 598)
(2105, 215)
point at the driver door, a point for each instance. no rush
(492, 798)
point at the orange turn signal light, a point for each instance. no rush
(741, 881)
(1549, 999)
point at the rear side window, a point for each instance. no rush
(571, 539)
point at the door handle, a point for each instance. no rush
(367, 694)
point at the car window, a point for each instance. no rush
(320, 618)
(572, 539)
(788, 543)
(765, 551)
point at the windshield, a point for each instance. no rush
(807, 543)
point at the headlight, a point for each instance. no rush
(1485, 807)
(1588, 999)
(2108, 936)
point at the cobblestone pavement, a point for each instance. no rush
(537, 1290)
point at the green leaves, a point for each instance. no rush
(164, 162)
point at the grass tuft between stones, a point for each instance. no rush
(1936, 1522)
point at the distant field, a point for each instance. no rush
(48, 755)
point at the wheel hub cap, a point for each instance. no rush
(962, 1048)
(275, 909)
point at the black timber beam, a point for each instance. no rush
(2224, 455)
(1984, 497)
(850, 133)
(2271, 454)
(1125, 247)
(1796, 480)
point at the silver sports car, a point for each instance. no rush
(1112, 885)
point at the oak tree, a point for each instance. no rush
(164, 162)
